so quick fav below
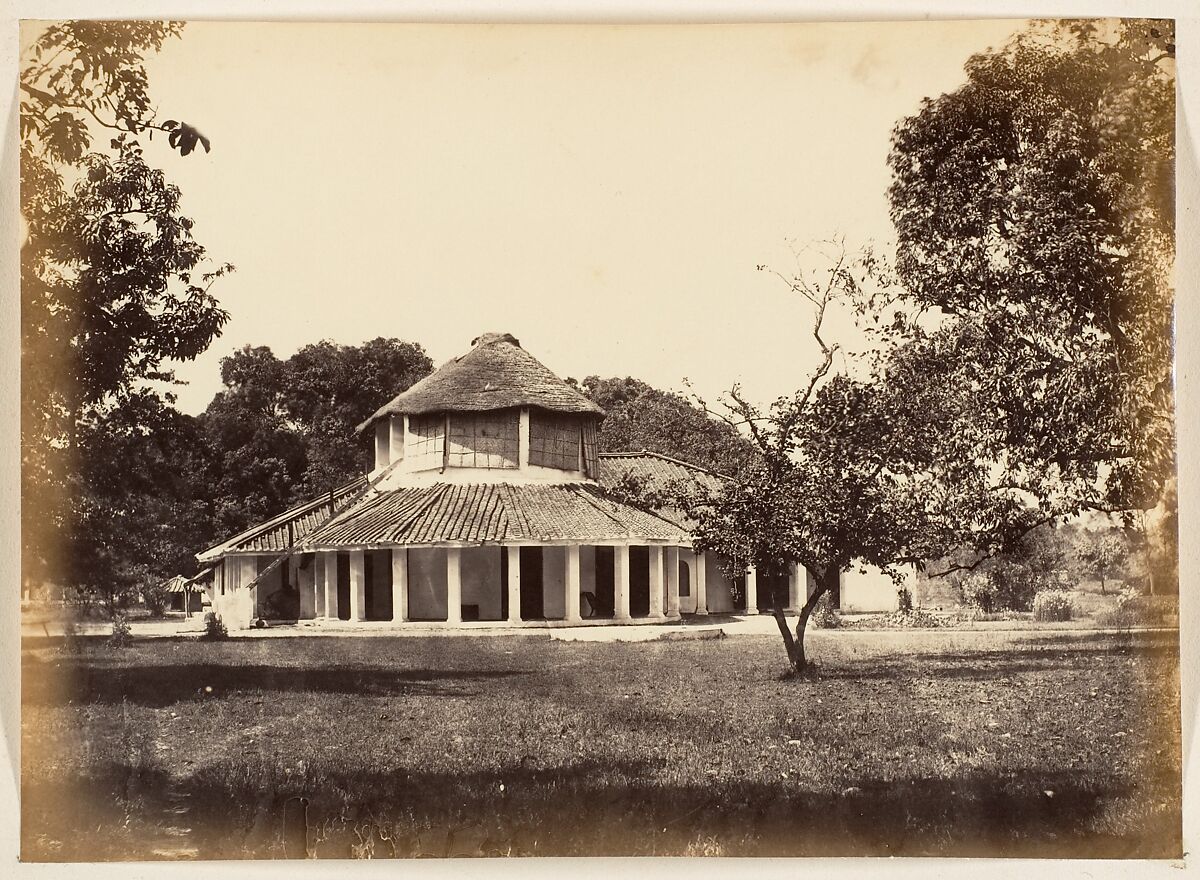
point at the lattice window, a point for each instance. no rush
(426, 441)
(484, 440)
(591, 450)
(554, 441)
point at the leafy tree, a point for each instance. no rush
(840, 476)
(1034, 213)
(113, 285)
(1102, 554)
(642, 418)
(282, 432)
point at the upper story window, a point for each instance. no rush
(484, 440)
(554, 440)
(426, 442)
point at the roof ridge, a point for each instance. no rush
(280, 518)
(678, 461)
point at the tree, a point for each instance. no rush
(842, 463)
(282, 432)
(641, 418)
(1034, 213)
(113, 285)
(1102, 554)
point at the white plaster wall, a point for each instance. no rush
(720, 587)
(554, 582)
(427, 583)
(587, 570)
(870, 590)
(306, 580)
(687, 604)
(481, 580)
(236, 607)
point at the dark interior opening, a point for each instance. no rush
(343, 586)
(378, 573)
(639, 581)
(606, 580)
(532, 591)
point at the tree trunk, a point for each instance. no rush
(1102, 593)
(826, 583)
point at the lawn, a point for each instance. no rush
(937, 743)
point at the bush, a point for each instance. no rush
(904, 600)
(979, 592)
(214, 627)
(1133, 609)
(825, 616)
(1053, 605)
(121, 636)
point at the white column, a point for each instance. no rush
(383, 443)
(454, 585)
(358, 585)
(621, 582)
(318, 585)
(656, 582)
(796, 588)
(331, 591)
(523, 440)
(396, 437)
(752, 590)
(572, 583)
(399, 581)
(701, 584)
(514, 584)
(672, 582)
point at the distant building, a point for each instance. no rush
(490, 500)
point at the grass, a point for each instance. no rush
(923, 743)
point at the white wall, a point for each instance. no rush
(720, 587)
(481, 580)
(306, 579)
(870, 590)
(687, 604)
(554, 582)
(427, 583)
(236, 606)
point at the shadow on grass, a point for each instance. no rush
(50, 684)
(610, 808)
(984, 665)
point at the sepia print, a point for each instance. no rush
(544, 440)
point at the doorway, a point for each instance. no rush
(533, 606)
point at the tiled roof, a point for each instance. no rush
(290, 526)
(492, 513)
(656, 471)
(495, 374)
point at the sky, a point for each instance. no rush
(603, 193)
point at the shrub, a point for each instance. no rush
(1053, 605)
(825, 616)
(214, 627)
(121, 636)
(979, 592)
(904, 600)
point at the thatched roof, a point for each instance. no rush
(495, 374)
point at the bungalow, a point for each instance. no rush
(489, 501)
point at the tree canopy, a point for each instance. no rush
(283, 431)
(114, 287)
(641, 418)
(1034, 212)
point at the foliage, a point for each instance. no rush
(911, 619)
(155, 596)
(1034, 213)
(214, 628)
(841, 462)
(113, 289)
(979, 591)
(1102, 554)
(904, 600)
(640, 418)
(122, 636)
(1053, 605)
(825, 615)
(283, 431)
